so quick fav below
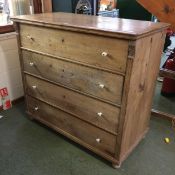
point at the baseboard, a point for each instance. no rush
(16, 101)
(162, 115)
(139, 139)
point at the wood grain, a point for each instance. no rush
(167, 73)
(76, 46)
(126, 89)
(74, 103)
(164, 10)
(113, 27)
(141, 89)
(73, 126)
(75, 76)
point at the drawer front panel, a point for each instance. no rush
(99, 51)
(96, 112)
(95, 82)
(85, 132)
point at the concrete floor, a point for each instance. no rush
(29, 148)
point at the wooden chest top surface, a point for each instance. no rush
(115, 27)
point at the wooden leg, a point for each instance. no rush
(116, 166)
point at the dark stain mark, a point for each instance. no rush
(62, 40)
(110, 56)
(141, 87)
(166, 9)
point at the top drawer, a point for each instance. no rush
(107, 53)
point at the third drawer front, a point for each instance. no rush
(95, 82)
(70, 125)
(109, 53)
(96, 112)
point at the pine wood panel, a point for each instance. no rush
(76, 46)
(82, 107)
(81, 78)
(164, 10)
(110, 27)
(141, 89)
(73, 126)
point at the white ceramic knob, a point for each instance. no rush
(34, 87)
(99, 114)
(29, 37)
(31, 64)
(101, 86)
(98, 140)
(36, 108)
(104, 54)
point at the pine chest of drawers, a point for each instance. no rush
(91, 78)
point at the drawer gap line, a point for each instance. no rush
(57, 107)
(75, 62)
(88, 95)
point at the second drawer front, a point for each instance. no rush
(95, 82)
(96, 112)
(85, 132)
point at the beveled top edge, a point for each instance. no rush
(116, 27)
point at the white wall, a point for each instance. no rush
(10, 75)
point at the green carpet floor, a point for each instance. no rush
(29, 148)
(162, 103)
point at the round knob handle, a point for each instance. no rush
(34, 87)
(104, 54)
(98, 140)
(31, 64)
(101, 86)
(36, 108)
(99, 114)
(30, 37)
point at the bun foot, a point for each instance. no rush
(116, 166)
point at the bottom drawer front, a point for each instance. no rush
(87, 133)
